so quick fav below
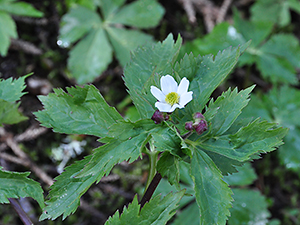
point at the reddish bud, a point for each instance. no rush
(200, 127)
(189, 126)
(157, 117)
(198, 115)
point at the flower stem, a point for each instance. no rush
(153, 160)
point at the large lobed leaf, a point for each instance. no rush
(18, 185)
(80, 111)
(282, 106)
(248, 142)
(126, 142)
(100, 37)
(156, 211)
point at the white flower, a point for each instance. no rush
(171, 95)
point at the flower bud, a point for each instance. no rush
(189, 126)
(157, 117)
(198, 115)
(200, 127)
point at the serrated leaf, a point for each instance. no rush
(212, 194)
(188, 66)
(74, 182)
(7, 30)
(125, 141)
(248, 142)
(258, 137)
(90, 57)
(212, 71)
(249, 207)
(228, 107)
(9, 113)
(11, 90)
(156, 211)
(146, 62)
(66, 191)
(245, 176)
(125, 40)
(140, 14)
(76, 23)
(82, 111)
(19, 8)
(281, 106)
(18, 185)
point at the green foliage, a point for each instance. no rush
(227, 143)
(277, 11)
(7, 25)
(154, 212)
(80, 111)
(212, 194)
(283, 107)
(10, 92)
(99, 36)
(276, 57)
(18, 185)
(250, 207)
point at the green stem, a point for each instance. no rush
(152, 170)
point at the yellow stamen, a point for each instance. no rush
(172, 98)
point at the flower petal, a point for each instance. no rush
(163, 107)
(157, 94)
(183, 86)
(185, 98)
(168, 84)
(174, 107)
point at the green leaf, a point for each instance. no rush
(18, 185)
(11, 90)
(248, 142)
(188, 66)
(109, 8)
(245, 176)
(168, 166)
(140, 14)
(212, 71)
(249, 207)
(19, 8)
(90, 57)
(148, 63)
(126, 140)
(190, 215)
(156, 211)
(66, 191)
(9, 113)
(213, 195)
(81, 111)
(258, 137)
(124, 41)
(275, 11)
(7, 30)
(229, 106)
(77, 23)
(281, 106)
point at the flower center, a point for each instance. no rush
(172, 98)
